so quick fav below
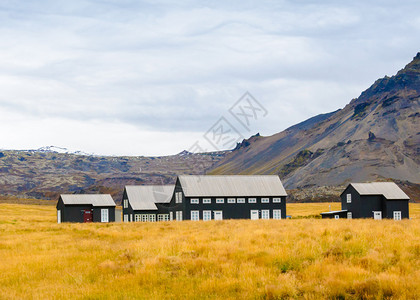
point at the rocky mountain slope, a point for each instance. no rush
(45, 174)
(376, 136)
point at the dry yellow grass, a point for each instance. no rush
(265, 259)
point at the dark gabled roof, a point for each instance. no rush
(83, 199)
(389, 190)
(231, 185)
(144, 197)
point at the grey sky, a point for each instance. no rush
(151, 77)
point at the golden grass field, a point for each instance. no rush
(241, 259)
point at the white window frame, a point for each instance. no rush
(125, 218)
(171, 216)
(194, 201)
(137, 217)
(252, 212)
(349, 215)
(206, 215)
(217, 212)
(163, 217)
(397, 215)
(240, 200)
(220, 200)
(125, 203)
(336, 217)
(131, 217)
(195, 215)
(265, 214)
(265, 200)
(178, 197)
(377, 215)
(252, 200)
(58, 216)
(206, 200)
(178, 215)
(144, 218)
(276, 200)
(104, 215)
(348, 198)
(231, 200)
(152, 218)
(277, 214)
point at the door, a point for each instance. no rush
(104, 215)
(87, 215)
(125, 218)
(397, 215)
(218, 215)
(254, 215)
(171, 216)
(58, 216)
(377, 215)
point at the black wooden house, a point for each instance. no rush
(146, 203)
(208, 197)
(85, 208)
(372, 200)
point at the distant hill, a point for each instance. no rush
(47, 172)
(376, 136)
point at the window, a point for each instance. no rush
(218, 215)
(163, 217)
(348, 198)
(206, 215)
(276, 200)
(178, 197)
(194, 201)
(125, 218)
(178, 215)
(131, 217)
(349, 215)
(240, 200)
(377, 215)
(255, 214)
(206, 200)
(220, 200)
(397, 215)
(277, 214)
(265, 200)
(252, 200)
(137, 218)
(152, 218)
(125, 202)
(231, 200)
(104, 215)
(195, 215)
(144, 218)
(171, 216)
(336, 217)
(265, 214)
(58, 216)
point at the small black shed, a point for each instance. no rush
(85, 208)
(372, 200)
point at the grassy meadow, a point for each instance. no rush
(265, 259)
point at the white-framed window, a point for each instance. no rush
(137, 218)
(349, 215)
(276, 200)
(206, 215)
(377, 215)
(125, 218)
(206, 200)
(397, 215)
(240, 200)
(348, 198)
(131, 217)
(171, 216)
(144, 218)
(195, 215)
(220, 200)
(194, 201)
(277, 214)
(104, 215)
(178, 215)
(218, 215)
(231, 200)
(152, 218)
(255, 215)
(58, 216)
(125, 203)
(265, 214)
(162, 217)
(252, 200)
(336, 217)
(178, 197)
(265, 200)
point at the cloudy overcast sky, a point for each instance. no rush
(152, 77)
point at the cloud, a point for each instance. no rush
(169, 69)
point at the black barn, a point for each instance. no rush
(372, 200)
(208, 197)
(146, 203)
(85, 208)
